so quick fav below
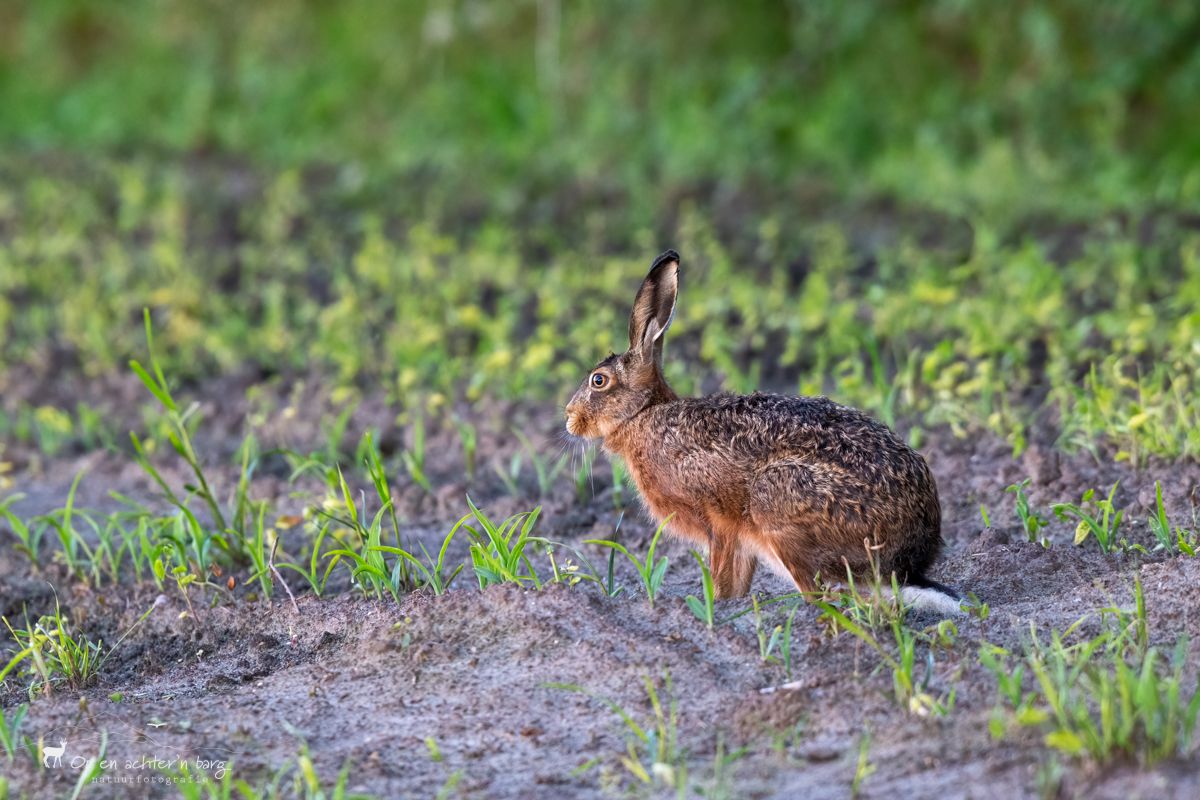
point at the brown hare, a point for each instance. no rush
(798, 482)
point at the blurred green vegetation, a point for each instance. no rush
(1099, 328)
(956, 214)
(977, 106)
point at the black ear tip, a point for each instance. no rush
(668, 256)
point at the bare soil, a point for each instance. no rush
(457, 691)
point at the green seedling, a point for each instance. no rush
(245, 509)
(877, 607)
(190, 542)
(149, 547)
(93, 768)
(54, 655)
(703, 609)
(909, 691)
(50, 653)
(1171, 539)
(863, 768)
(1107, 697)
(976, 607)
(546, 472)
(1115, 707)
(29, 540)
(333, 431)
(1049, 777)
(652, 754)
(308, 785)
(247, 513)
(568, 572)
(723, 783)
(10, 730)
(296, 778)
(1158, 522)
(414, 457)
(447, 789)
(178, 434)
(311, 570)
(114, 541)
(779, 640)
(498, 550)
(1032, 522)
(651, 570)
(260, 552)
(383, 493)
(885, 392)
(1010, 676)
(619, 473)
(368, 564)
(195, 784)
(432, 571)
(1130, 628)
(511, 477)
(184, 578)
(611, 588)
(74, 547)
(53, 429)
(469, 439)
(366, 449)
(1096, 518)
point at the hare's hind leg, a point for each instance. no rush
(808, 516)
(790, 563)
(732, 567)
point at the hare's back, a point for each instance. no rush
(766, 428)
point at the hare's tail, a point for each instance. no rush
(929, 595)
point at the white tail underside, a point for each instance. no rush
(926, 599)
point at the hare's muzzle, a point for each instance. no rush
(576, 419)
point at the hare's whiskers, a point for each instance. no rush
(591, 478)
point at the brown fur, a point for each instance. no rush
(798, 481)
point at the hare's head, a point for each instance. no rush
(622, 385)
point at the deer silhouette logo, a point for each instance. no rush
(54, 752)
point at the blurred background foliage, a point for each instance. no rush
(974, 105)
(962, 214)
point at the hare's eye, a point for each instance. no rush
(599, 380)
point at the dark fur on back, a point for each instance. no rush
(801, 482)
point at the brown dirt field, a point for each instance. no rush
(371, 683)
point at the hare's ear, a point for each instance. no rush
(654, 307)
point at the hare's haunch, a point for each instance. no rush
(798, 482)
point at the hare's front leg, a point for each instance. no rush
(732, 567)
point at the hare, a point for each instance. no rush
(801, 483)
